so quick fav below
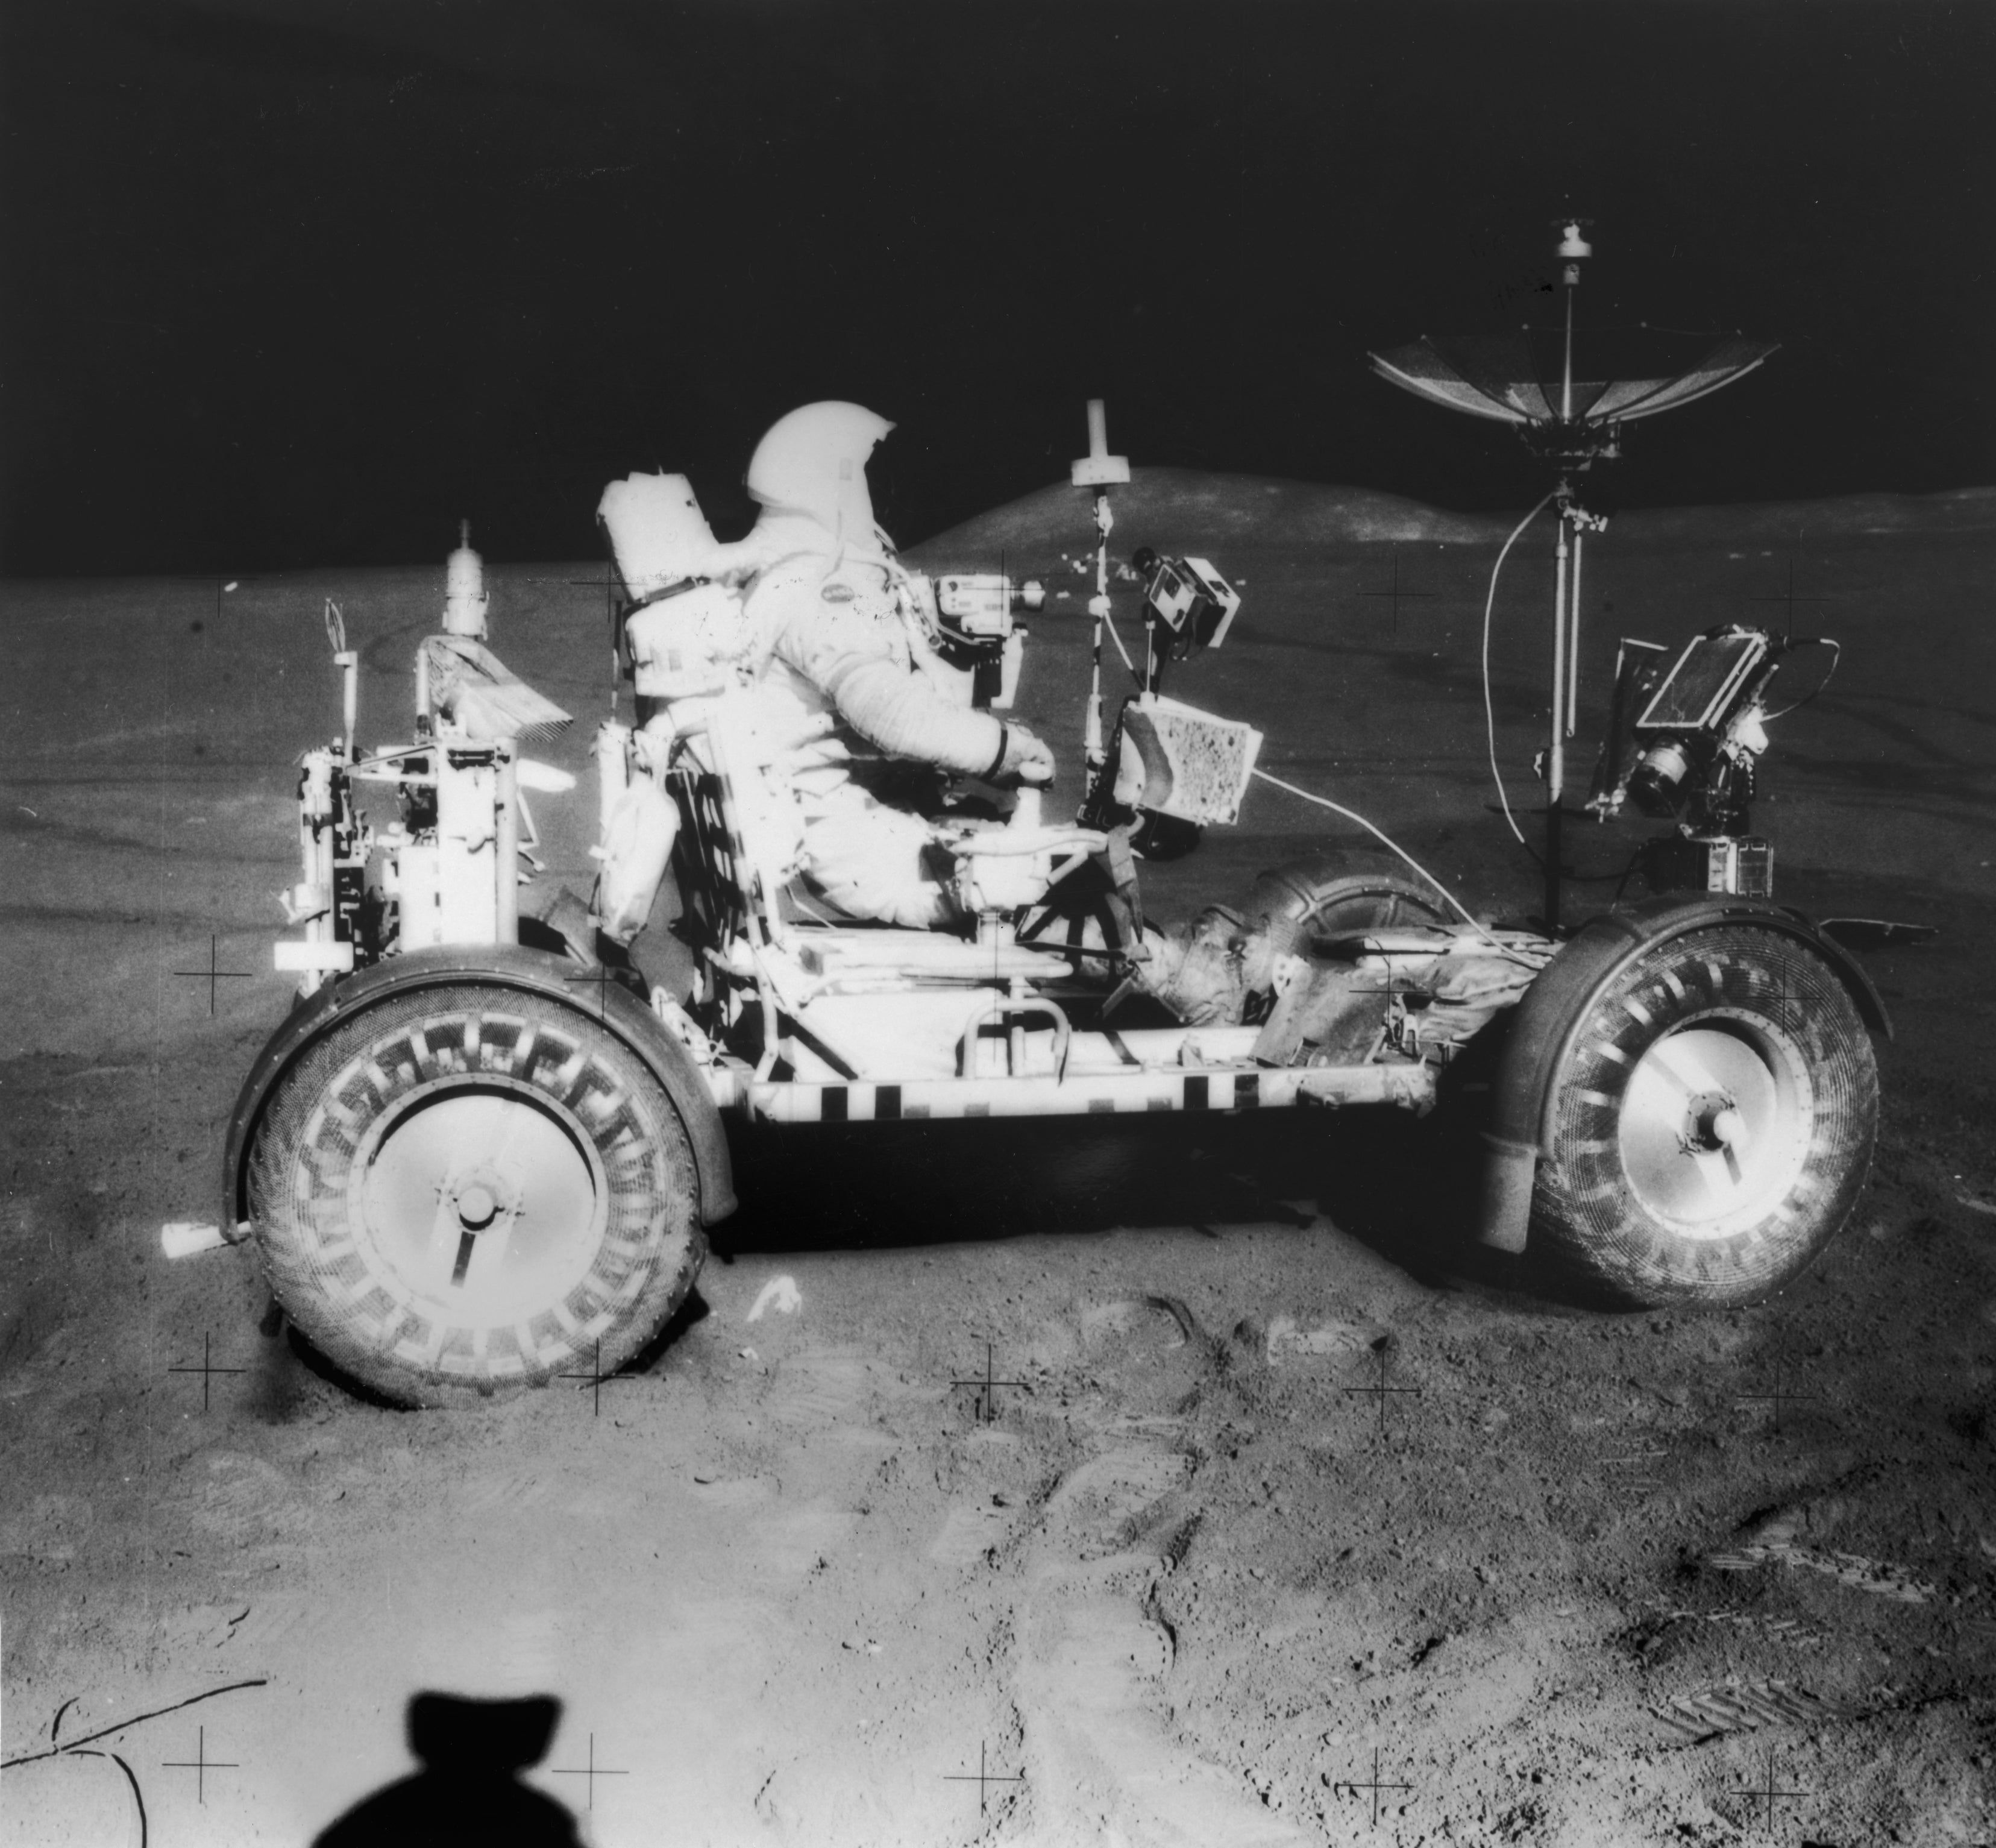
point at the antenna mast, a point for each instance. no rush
(1566, 615)
(1571, 426)
(1099, 470)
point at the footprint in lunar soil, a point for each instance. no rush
(1102, 1764)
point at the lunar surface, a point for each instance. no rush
(1039, 1484)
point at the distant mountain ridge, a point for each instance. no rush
(1188, 510)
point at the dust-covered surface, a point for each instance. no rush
(1283, 1518)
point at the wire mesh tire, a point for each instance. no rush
(464, 1190)
(1715, 1119)
(1330, 896)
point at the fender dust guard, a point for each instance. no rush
(502, 965)
(1541, 1034)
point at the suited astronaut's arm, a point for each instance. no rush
(840, 649)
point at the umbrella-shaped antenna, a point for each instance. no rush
(1572, 420)
(1503, 377)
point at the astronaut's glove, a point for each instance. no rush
(1022, 758)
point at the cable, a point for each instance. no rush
(1836, 654)
(1489, 713)
(1351, 815)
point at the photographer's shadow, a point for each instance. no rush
(469, 1789)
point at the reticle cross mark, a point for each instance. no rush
(598, 1379)
(981, 1778)
(602, 978)
(1778, 1397)
(1382, 1390)
(1374, 1786)
(215, 973)
(1397, 593)
(591, 1771)
(1771, 1795)
(988, 1387)
(1789, 598)
(207, 1369)
(200, 1764)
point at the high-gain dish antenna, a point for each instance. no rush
(1527, 378)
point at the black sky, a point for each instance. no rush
(302, 284)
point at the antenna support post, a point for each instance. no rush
(1101, 471)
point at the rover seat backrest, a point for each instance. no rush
(740, 837)
(706, 861)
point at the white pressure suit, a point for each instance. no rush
(838, 630)
(833, 638)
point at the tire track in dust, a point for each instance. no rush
(970, 1531)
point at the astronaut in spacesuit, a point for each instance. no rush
(839, 629)
(835, 638)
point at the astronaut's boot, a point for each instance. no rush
(1199, 970)
(574, 922)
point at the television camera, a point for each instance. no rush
(1683, 745)
(1171, 769)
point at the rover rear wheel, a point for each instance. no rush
(463, 1189)
(1716, 1117)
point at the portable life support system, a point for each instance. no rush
(687, 644)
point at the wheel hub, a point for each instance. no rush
(1713, 1122)
(1713, 1127)
(480, 1203)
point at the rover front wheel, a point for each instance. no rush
(1332, 895)
(1714, 1120)
(463, 1189)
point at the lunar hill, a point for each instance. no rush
(1188, 509)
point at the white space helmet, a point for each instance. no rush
(813, 462)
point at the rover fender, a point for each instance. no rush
(502, 965)
(1542, 1036)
